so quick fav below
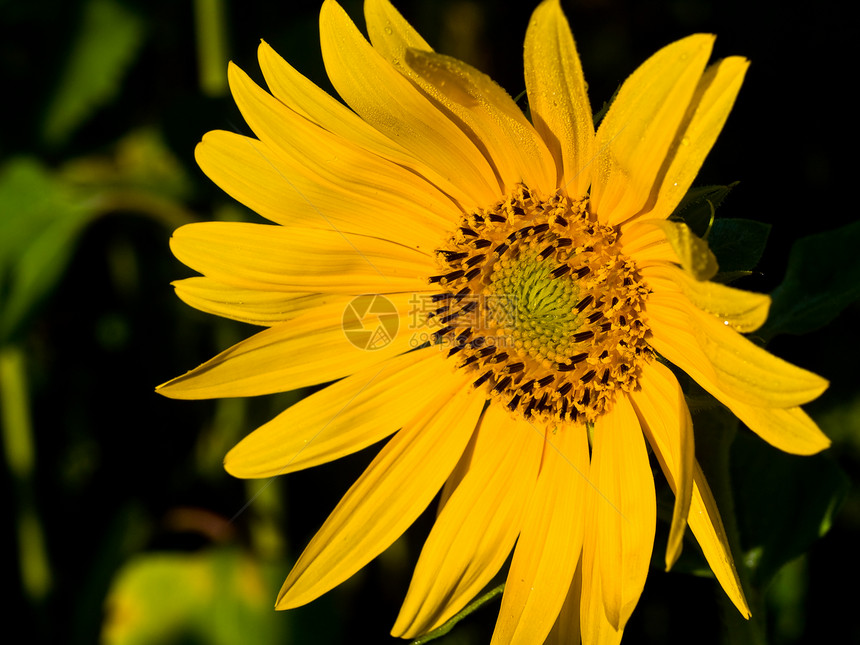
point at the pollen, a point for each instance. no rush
(539, 304)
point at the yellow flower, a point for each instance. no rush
(536, 259)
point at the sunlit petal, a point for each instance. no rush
(711, 347)
(277, 258)
(707, 526)
(253, 306)
(744, 311)
(312, 348)
(396, 487)
(557, 95)
(388, 101)
(641, 126)
(347, 416)
(709, 108)
(475, 532)
(624, 516)
(666, 421)
(548, 549)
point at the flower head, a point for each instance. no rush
(502, 296)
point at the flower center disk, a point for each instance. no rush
(540, 304)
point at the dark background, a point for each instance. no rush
(121, 474)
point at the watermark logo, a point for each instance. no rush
(370, 322)
(487, 317)
(473, 311)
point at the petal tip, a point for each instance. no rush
(229, 464)
(168, 390)
(244, 462)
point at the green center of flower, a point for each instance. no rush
(536, 307)
(538, 302)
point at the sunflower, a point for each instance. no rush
(502, 296)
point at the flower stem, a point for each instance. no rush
(449, 625)
(715, 432)
(211, 46)
(17, 431)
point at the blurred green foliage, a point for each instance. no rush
(38, 236)
(105, 44)
(123, 526)
(218, 596)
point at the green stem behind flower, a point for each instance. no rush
(211, 46)
(715, 432)
(449, 625)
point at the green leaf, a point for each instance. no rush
(738, 243)
(219, 596)
(823, 277)
(783, 503)
(697, 207)
(41, 223)
(105, 45)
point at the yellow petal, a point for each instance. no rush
(388, 101)
(490, 117)
(393, 491)
(596, 628)
(741, 369)
(745, 311)
(647, 244)
(476, 530)
(278, 258)
(304, 97)
(566, 629)
(251, 306)
(288, 191)
(662, 410)
(788, 429)
(481, 443)
(390, 33)
(344, 417)
(711, 104)
(312, 348)
(307, 149)
(638, 131)
(692, 251)
(242, 167)
(550, 542)
(708, 528)
(625, 512)
(558, 100)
